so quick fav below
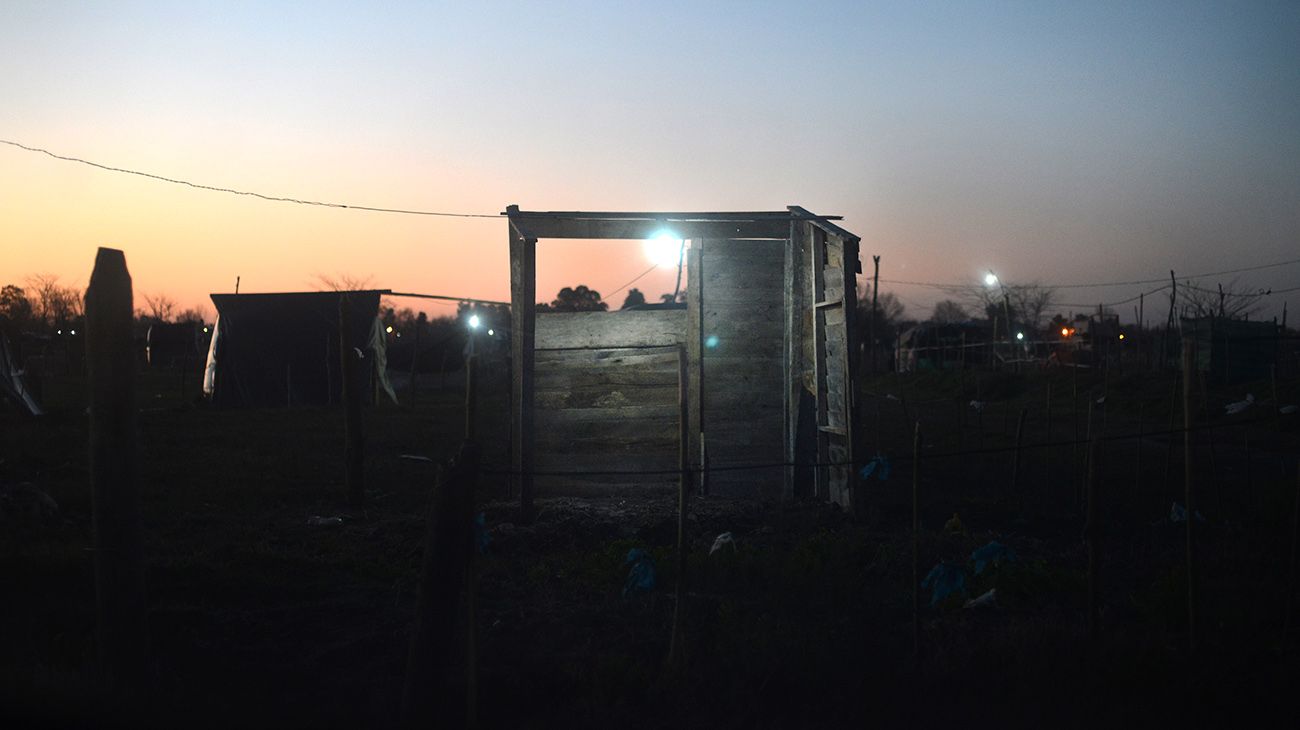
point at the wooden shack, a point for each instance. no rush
(766, 338)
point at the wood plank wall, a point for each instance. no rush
(743, 401)
(606, 399)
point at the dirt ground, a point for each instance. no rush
(273, 604)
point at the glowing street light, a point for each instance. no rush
(1021, 336)
(474, 321)
(990, 279)
(389, 329)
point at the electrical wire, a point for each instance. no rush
(263, 196)
(630, 283)
(966, 287)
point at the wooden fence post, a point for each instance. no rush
(471, 395)
(1291, 565)
(916, 543)
(1015, 464)
(415, 355)
(429, 695)
(676, 648)
(119, 566)
(1092, 533)
(353, 436)
(1188, 365)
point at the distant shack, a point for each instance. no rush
(768, 338)
(275, 350)
(1232, 350)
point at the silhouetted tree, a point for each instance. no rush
(54, 305)
(1228, 302)
(948, 312)
(15, 306)
(575, 299)
(634, 298)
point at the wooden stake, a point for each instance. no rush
(1092, 533)
(353, 436)
(916, 544)
(429, 695)
(1169, 442)
(1015, 465)
(1049, 412)
(875, 290)
(1290, 573)
(676, 648)
(1137, 470)
(1188, 365)
(471, 395)
(1277, 404)
(120, 601)
(415, 354)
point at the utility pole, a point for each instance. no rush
(875, 291)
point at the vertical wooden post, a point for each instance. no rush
(1074, 443)
(523, 303)
(119, 566)
(471, 395)
(1092, 533)
(695, 361)
(1277, 404)
(1169, 442)
(415, 355)
(429, 695)
(1080, 481)
(353, 436)
(1188, 365)
(1049, 412)
(676, 648)
(1141, 331)
(1137, 469)
(916, 543)
(875, 291)
(1015, 465)
(1291, 566)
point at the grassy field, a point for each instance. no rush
(258, 617)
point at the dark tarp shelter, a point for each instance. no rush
(1232, 350)
(12, 384)
(283, 349)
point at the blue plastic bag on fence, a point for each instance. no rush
(879, 466)
(994, 552)
(1178, 513)
(944, 580)
(482, 538)
(641, 578)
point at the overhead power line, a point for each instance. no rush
(263, 196)
(951, 287)
(957, 286)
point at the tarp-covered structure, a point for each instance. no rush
(283, 349)
(1232, 350)
(13, 386)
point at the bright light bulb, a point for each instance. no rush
(491, 332)
(663, 250)
(1020, 335)
(473, 321)
(1065, 331)
(990, 279)
(389, 329)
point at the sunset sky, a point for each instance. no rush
(1065, 143)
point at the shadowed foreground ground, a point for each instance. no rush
(261, 618)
